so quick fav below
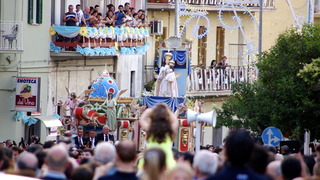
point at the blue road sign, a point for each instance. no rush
(271, 136)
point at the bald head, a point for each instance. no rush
(27, 161)
(57, 158)
(274, 170)
(126, 151)
(104, 152)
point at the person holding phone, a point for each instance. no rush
(119, 15)
(70, 17)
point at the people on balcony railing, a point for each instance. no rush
(70, 17)
(79, 13)
(213, 64)
(119, 15)
(90, 16)
(223, 64)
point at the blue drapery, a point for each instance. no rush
(173, 103)
(178, 56)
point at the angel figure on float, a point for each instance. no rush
(166, 84)
(73, 102)
(86, 93)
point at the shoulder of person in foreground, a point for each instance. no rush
(225, 174)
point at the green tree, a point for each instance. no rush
(279, 97)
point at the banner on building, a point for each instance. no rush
(28, 94)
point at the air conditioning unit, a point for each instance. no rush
(156, 27)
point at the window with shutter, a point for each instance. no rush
(35, 11)
(39, 11)
(30, 12)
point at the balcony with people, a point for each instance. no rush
(89, 33)
(10, 36)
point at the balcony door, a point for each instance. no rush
(220, 44)
(202, 48)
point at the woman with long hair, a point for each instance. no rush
(110, 106)
(109, 20)
(154, 164)
(160, 130)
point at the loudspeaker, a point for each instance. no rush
(293, 145)
(209, 117)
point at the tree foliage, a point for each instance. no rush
(280, 97)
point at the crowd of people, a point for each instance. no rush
(92, 17)
(239, 158)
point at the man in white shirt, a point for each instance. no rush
(79, 13)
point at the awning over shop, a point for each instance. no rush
(49, 121)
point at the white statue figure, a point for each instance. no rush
(166, 84)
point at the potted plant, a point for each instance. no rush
(149, 85)
(161, 41)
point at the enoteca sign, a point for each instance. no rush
(28, 94)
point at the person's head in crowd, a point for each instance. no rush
(259, 159)
(87, 153)
(8, 143)
(92, 133)
(48, 144)
(70, 8)
(78, 7)
(41, 156)
(99, 16)
(111, 7)
(135, 16)
(86, 135)
(140, 12)
(105, 129)
(224, 58)
(127, 6)
(133, 10)
(217, 150)
(239, 147)
(310, 162)
(110, 14)
(33, 148)
(188, 157)
(211, 148)
(154, 164)
(143, 18)
(180, 172)
(120, 8)
(56, 159)
(83, 172)
(205, 164)
(126, 152)
(80, 132)
(91, 10)
(290, 168)
(9, 153)
(16, 152)
(1, 144)
(160, 126)
(285, 150)
(274, 170)
(26, 162)
(79, 157)
(97, 7)
(104, 152)
(87, 10)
